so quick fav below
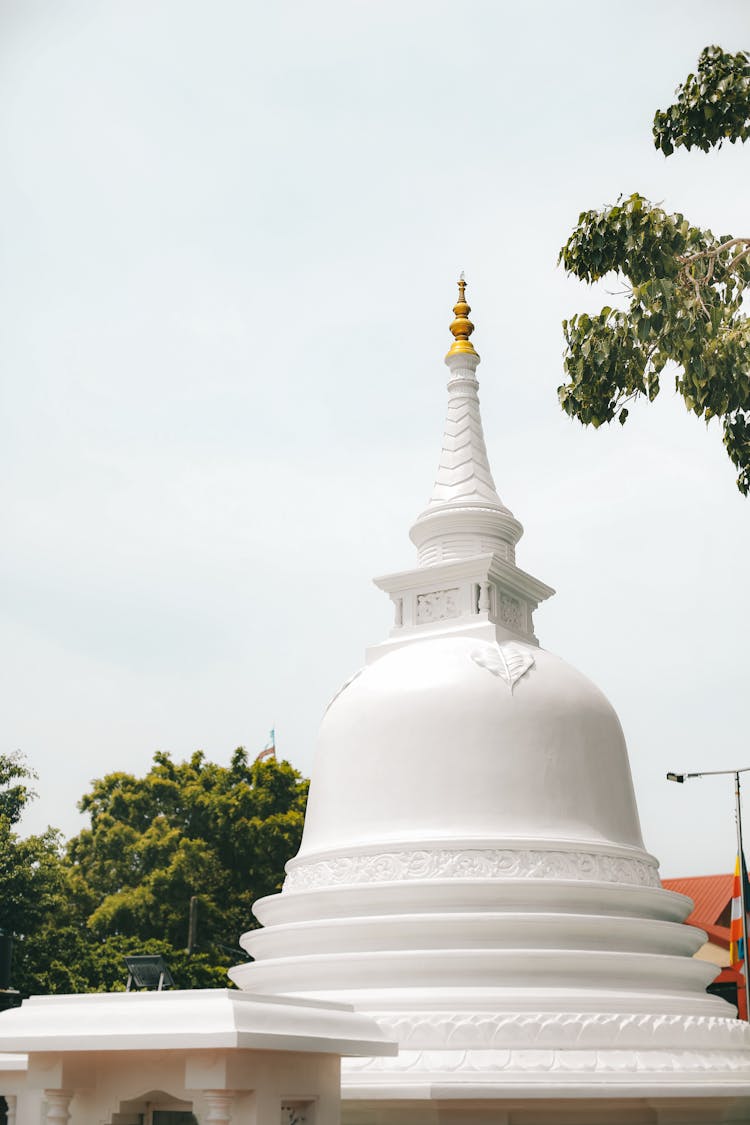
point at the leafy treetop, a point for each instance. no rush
(192, 828)
(186, 829)
(31, 875)
(684, 289)
(712, 106)
(14, 793)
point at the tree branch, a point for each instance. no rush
(687, 258)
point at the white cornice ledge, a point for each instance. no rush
(489, 564)
(191, 1019)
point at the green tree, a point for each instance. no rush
(15, 793)
(193, 828)
(63, 956)
(712, 106)
(123, 885)
(32, 872)
(684, 285)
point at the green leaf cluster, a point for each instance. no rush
(712, 106)
(64, 958)
(186, 829)
(14, 793)
(684, 289)
(32, 878)
(31, 869)
(124, 884)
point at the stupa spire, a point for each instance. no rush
(465, 515)
(466, 579)
(462, 327)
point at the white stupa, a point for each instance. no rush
(472, 872)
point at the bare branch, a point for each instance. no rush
(738, 258)
(696, 257)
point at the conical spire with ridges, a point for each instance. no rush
(464, 470)
(465, 515)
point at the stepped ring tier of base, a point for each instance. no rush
(507, 983)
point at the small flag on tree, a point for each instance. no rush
(269, 750)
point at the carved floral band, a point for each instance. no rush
(484, 863)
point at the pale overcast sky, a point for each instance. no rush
(229, 239)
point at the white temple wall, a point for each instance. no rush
(220, 1088)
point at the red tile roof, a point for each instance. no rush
(717, 935)
(710, 895)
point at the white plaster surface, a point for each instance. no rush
(186, 1019)
(230, 1057)
(427, 745)
(464, 488)
(472, 872)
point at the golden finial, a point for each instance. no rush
(461, 327)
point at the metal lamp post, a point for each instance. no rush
(680, 777)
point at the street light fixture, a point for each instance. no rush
(148, 971)
(682, 777)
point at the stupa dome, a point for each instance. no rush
(516, 743)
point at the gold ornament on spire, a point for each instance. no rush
(461, 327)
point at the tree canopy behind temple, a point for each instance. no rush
(193, 828)
(32, 877)
(684, 286)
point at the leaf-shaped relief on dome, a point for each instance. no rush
(343, 687)
(508, 661)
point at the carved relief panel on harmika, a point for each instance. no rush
(437, 605)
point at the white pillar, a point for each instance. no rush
(263, 1108)
(12, 1102)
(58, 1107)
(218, 1106)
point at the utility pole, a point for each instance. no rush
(682, 777)
(9, 996)
(192, 944)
